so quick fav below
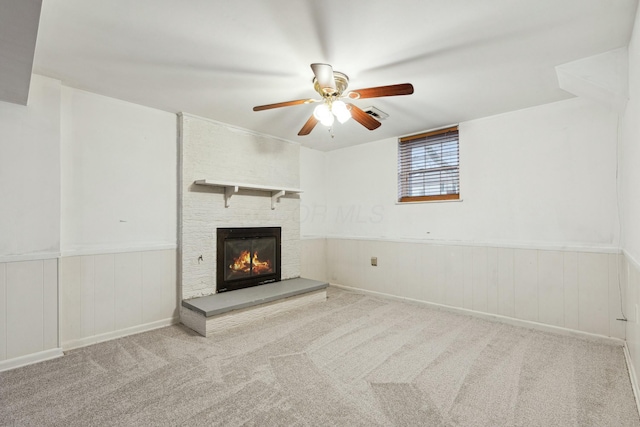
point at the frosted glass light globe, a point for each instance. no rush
(341, 111)
(323, 114)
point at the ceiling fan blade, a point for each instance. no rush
(308, 127)
(283, 104)
(324, 76)
(363, 118)
(376, 92)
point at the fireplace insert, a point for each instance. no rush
(247, 257)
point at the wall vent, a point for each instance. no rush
(375, 113)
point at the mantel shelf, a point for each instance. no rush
(231, 188)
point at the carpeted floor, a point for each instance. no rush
(355, 360)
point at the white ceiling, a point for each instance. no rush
(217, 58)
(18, 30)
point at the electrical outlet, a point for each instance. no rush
(374, 261)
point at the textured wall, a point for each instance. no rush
(213, 151)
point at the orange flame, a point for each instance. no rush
(260, 267)
(243, 264)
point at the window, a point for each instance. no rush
(428, 166)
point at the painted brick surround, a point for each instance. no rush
(214, 151)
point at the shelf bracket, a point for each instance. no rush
(228, 192)
(275, 198)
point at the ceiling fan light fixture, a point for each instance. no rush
(340, 110)
(332, 87)
(327, 121)
(323, 113)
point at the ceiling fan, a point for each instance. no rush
(331, 85)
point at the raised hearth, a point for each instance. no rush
(218, 312)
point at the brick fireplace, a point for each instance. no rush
(239, 217)
(213, 151)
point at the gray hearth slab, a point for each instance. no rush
(224, 302)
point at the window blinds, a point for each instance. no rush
(428, 166)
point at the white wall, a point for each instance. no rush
(313, 200)
(630, 197)
(544, 176)
(30, 174)
(119, 218)
(30, 225)
(119, 175)
(535, 236)
(630, 152)
(83, 173)
(313, 214)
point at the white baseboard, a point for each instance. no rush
(494, 317)
(94, 339)
(29, 359)
(632, 376)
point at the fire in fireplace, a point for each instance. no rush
(247, 257)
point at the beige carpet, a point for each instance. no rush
(355, 360)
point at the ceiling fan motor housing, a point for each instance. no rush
(342, 81)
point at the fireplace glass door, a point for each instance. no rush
(249, 257)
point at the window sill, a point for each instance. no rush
(429, 201)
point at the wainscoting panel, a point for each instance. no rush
(551, 287)
(87, 296)
(526, 281)
(453, 276)
(480, 279)
(506, 293)
(159, 289)
(50, 303)
(105, 293)
(571, 293)
(630, 278)
(110, 295)
(593, 272)
(128, 287)
(70, 297)
(564, 288)
(313, 258)
(29, 303)
(492, 280)
(3, 306)
(616, 300)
